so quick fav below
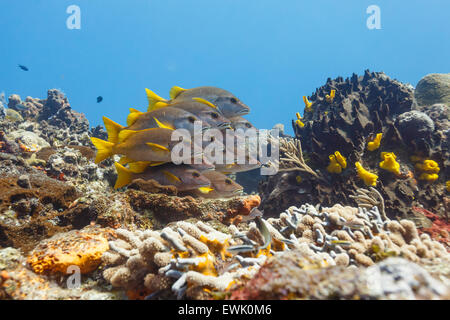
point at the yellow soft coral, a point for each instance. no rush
(334, 166)
(308, 105)
(375, 143)
(299, 122)
(429, 166)
(447, 185)
(370, 179)
(330, 97)
(389, 163)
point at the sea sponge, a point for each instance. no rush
(308, 105)
(370, 179)
(428, 176)
(340, 159)
(330, 97)
(429, 166)
(389, 162)
(83, 248)
(299, 122)
(375, 143)
(334, 166)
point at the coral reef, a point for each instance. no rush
(82, 249)
(59, 213)
(370, 117)
(288, 276)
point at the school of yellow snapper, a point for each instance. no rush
(145, 144)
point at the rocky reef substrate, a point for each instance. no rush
(65, 233)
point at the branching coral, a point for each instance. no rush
(369, 198)
(292, 153)
(352, 236)
(193, 256)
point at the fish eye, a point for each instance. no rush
(215, 115)
(191, 119)
(248, 125)
(233, 100)
(212, 139)
(195, 174)
(228, 181)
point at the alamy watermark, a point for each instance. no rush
(74, 20)
(250, 147)
(374, 20)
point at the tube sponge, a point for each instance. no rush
(429, 166)
(375, 143)
(389, 163)
(370, 179)
(337, 163)
(334, 166)
(330, 97)
(299, 122)
(340, 159)
(428, 176)
(308, 105)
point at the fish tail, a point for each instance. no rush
(112, 129)
(153, 99)
(104, 149)
(124, 176)
(133, 116)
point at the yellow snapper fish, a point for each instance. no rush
(228, 104)
(221, 186)
(182, 177)
(171, 118)
(152, 145)
(202, 108)
(241, 123)
(239, 167)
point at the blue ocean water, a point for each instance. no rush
(267, 53)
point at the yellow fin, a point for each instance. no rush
(205, 189)
(125, 134)
(104, 149)
(125, 160)
(124, 176)
(112, 129)
(138, 166)
(133, 116)
(156, 163)
(156, 147)
(162, 125)
(153, 99)
(201, 100)
(175, 91)
(173, 178)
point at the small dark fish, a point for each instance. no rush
(23, 67)
(99, 99)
